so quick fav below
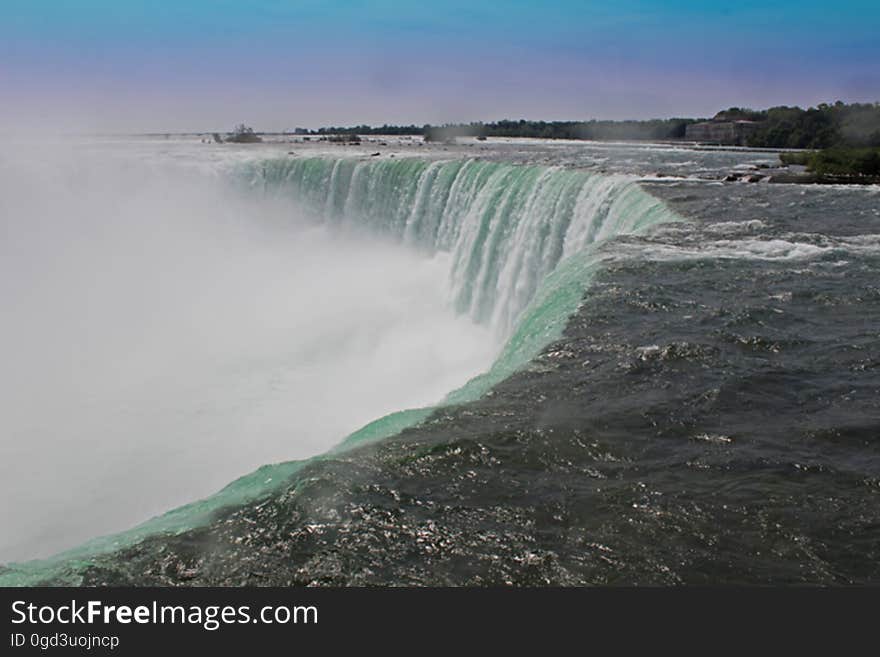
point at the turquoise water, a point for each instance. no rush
(524, 247)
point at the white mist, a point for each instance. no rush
(161, 336)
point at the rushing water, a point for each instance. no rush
(248, 339)
(675, 401)
(506, 226)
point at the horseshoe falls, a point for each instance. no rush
(506, 226)
(521, 238)
(485, 260)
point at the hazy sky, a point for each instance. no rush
(157, 65)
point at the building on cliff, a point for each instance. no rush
(733, 133)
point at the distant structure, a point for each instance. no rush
(727, 133)
(243, 134)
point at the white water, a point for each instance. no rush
(161, 337)
(506, 226)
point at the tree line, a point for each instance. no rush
(820, 127)
(825, 126)
(654, 129)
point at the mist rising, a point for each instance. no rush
(162, 335)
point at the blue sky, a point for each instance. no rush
(277, 64)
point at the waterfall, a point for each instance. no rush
(524, 245)
(506, 226)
